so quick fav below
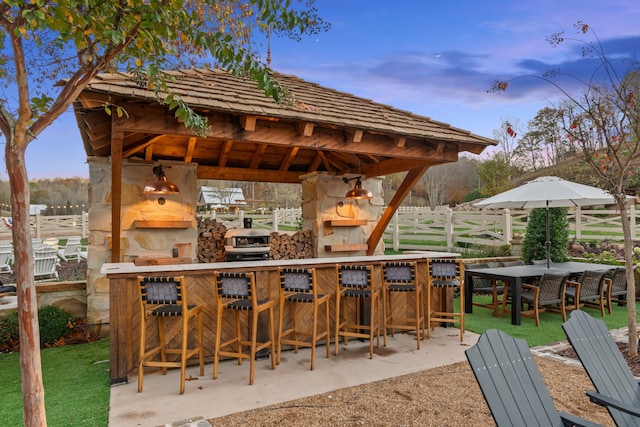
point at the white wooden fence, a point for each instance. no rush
(417, 228)
(43, 227)
(422, 228)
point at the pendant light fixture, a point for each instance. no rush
(358, 193)
(160, 185)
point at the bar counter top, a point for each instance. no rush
(131, 268)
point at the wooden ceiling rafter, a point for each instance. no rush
(190, 147)
(148, 153)
(224, 155)
(257, 155)
(286, 162)
(141, 147)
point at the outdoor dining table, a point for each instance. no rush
(517, 275)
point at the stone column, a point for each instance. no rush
(136, 242)
(340, 226)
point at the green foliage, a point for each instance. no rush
(533, 245)
(472, 195)
(9, 327)
(494, 175)
(54, 323)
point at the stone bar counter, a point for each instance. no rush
(124, 312)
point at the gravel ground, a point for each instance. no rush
(444, 396)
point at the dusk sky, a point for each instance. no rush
(435, 59)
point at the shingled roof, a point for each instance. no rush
(320, 129)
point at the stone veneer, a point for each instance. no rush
(146, 242)
(323, 200)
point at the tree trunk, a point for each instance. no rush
(631, 281)
(30, 364)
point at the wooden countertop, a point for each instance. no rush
(129, 268)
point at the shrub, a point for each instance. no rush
(9, 327)
(533, 245)
(54, 323)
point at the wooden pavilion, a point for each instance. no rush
(253, 138)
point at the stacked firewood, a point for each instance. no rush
(210, 240)
(283, 246)
(296, 246)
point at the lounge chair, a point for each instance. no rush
(45, 262)
(70, 250)
(512, 384)
(617, 389)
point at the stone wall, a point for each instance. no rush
(323, 201)
(136, 242)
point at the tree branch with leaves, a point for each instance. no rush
(603, 122)
(50, 51)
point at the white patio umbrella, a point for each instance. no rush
(548, 192)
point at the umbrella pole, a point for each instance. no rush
(547, 243)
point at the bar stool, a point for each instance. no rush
(237, 292)
(163, 297)
(445, 274)
(353, 282)
(400, 278)
(298, 286)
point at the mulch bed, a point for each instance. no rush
(632, 361)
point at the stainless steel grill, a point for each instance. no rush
(246, 244)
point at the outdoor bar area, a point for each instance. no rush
(200, 287)
(336, 146)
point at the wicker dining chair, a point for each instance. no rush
(616, 288)
(548, 295)
(589, 290)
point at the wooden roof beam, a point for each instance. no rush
(354, 135)
(224, 155)
(327, 164)
(141, 147)
(400, 141)
(190, 147)
(255, 161)
(248, 123)
(306, 128)
(291, 154)
(241, 174)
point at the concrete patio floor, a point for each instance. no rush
(160, 403)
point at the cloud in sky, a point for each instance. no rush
(435, 59)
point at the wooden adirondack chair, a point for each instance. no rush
(45, 262)
(512, 384)
(617, 388)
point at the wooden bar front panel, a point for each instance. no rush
(200, 285)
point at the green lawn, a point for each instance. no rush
(76, 385)
(550, 329)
